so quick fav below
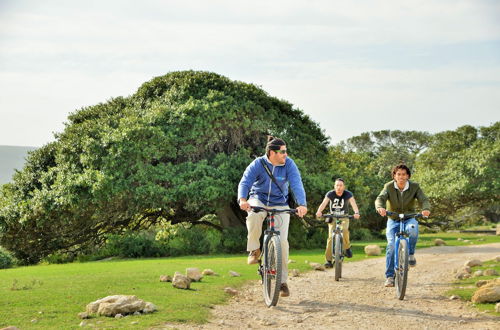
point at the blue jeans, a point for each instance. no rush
(411, 226)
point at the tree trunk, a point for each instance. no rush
(230, 215)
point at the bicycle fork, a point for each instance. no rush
(399, 236)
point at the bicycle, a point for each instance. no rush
(401, 252)
(270, 269)
(337, 241)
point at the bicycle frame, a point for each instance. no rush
(337, 250)
(338, 231)
(270, 269)
(402, 234)
(401, 271)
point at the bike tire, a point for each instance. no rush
(402, 269)
(338, 258)
(272, 271)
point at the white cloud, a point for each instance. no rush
(357, 61)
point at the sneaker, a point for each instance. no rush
(348, 253)
(328, 264)
(412, 261)
(389, 282)
(285, 292)
(253, 257)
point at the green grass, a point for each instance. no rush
(466, 288)
(54, 294)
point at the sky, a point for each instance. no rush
(352, 66)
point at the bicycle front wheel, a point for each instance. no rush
(402, 269)
(272, 271)
(338, 258)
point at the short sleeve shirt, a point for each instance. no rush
(339, 204)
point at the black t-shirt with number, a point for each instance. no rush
(339, 204)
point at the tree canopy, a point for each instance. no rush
(173, 151)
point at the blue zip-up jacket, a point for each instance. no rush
(257, 183)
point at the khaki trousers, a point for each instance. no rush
(281, 222)
(345, 235)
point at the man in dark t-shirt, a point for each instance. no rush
(339, 200)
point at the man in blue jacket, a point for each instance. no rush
(257, 189)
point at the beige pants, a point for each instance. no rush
(345, 235)
(281, 222)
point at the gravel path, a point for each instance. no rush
(359, 299)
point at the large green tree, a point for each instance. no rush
(174, 151)
(460, 172)
(365, 162)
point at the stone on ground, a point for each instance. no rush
(373, 250)
(317, 266)
(473, 263)
(439, 242)
(181, 281)
(117, 304)
(487, 293)
(194, 274)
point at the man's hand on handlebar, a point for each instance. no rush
(244, 205)
(426, 213)
(382, 211)
(301, 211)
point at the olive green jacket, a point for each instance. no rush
(393, 200)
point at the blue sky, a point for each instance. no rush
(352, 66)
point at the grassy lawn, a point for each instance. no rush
(51, 296)
(465, 288)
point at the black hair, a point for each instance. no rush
(274, 144)
(401, 167)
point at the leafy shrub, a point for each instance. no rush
(360, 234)
(191, 240)
(301, 237)
(6, 259)
(59, 258)
(234, 239)
(133, 245)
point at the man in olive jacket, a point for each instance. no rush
(400, 196)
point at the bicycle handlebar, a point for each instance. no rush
(403, 217)
(328, 217)
(258, 209)
(338, 216)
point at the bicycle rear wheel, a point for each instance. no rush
(402, 269)
(272, 271)
(338, 259)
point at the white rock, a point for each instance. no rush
(208, 272)
(489, 292)
(439, 242)
(194, 274)
(149, 308)
(473, 263)
(317, 266)
(490, 272)
(480, 283)
(165, 278)
(478, 273)
(118, 304)
(234, 274)
(497, 307)
(180, 281)
(373, 250)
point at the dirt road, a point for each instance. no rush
(359, 299)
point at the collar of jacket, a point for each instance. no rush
(407, 186)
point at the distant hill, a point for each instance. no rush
(12, 157)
